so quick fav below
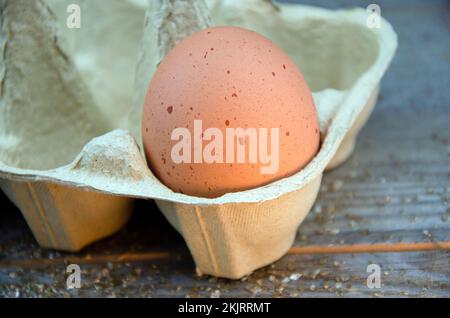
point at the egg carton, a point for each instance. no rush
(70, 104)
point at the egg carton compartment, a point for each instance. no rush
(70, 110)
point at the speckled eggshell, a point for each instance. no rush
(228, 77)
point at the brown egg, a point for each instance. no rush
(227, 110)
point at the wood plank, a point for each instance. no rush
(411, 274)
(373, 198)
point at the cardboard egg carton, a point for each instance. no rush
(70, 105)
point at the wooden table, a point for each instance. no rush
(388, 205)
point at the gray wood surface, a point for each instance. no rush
(388, 205)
